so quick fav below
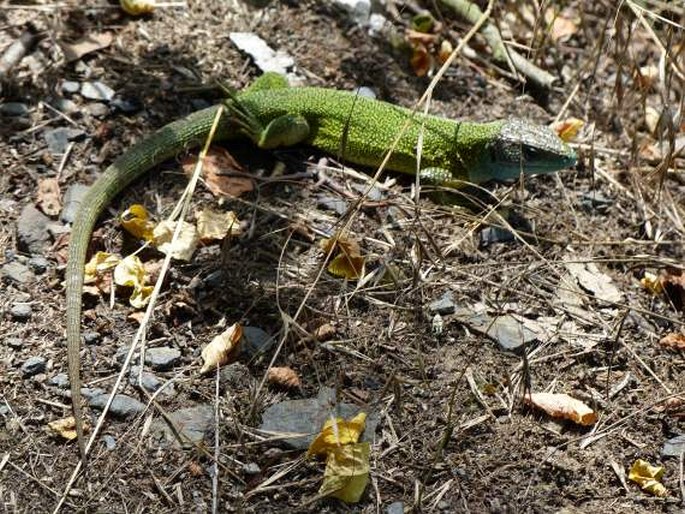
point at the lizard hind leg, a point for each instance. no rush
(285, 130)
(269, 80)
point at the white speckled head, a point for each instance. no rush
(526, 147)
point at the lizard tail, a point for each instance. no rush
(163, 144)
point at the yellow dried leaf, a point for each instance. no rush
(131, 273)
(563, 28)
(284, 377)
(222, 348)
(559, 405)
(49, 196)
(348, 263)
(184, 247)
(652, 283)
(648, 477)
(213, 225)
(136, 221)
(568, 129)
(138, 7)
(66, 427)
(98, 264)
(336, 433)
(347, 472)
(445, 51)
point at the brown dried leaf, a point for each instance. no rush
(222, 349)
(49, 196)
(674, 340)
(284, 377)
(673, 283)
(325, 332)
(560, 405)
(421, 60)
(219, 173)
(85, 45)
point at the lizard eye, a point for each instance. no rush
(530, 153)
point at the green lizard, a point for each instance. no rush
(358, 129)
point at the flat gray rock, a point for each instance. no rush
(193, 424)
(32, 230)
(299, 421)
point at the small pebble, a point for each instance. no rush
(71, 87)
(39, 264)
(21, 311)
(14, 342)
(97, 91)
(60, 380)
(97, 110)
(14, 109)
(33, 366)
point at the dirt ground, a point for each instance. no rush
(454, 433)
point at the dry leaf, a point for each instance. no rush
(347, 472)
(421, 60)
(130, 272)
(221, 173)
(652, 283)
(184, 247)
(49, 196)
(673, 340)
(673, 283)
(563, 27)
(648, 477)
(85, 45)
(215, 225)
(136, 221)
(222, 349)
(568, 129)
(348, 263)
(559, 405)
(66, 427)
(138, 7)
(445, 51)
(98, 265)
(284, 377)
(647, 76)
(325, 332)
(336, 433)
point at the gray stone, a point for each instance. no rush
(192, 424)
(97, 110)
(444, 305)
(73, 198)
(33, 365)
(110, 442)
(91, 337)
(674, 446)
(21, 311)
(251, 468)
(58, 139)
(32, 230)
(71, 86)
(16, 272)
(149, 381)
(299, 421)
(14, 342)
(509, 332)
(163, 358)
(256, 341)
(395, 508)
(97, 91)
(126, 105)
(14, 109)
(64, 105)
(123, 406)
(60, 380)
(234, 375)
(39, 264)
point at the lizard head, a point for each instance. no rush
(521, 146)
